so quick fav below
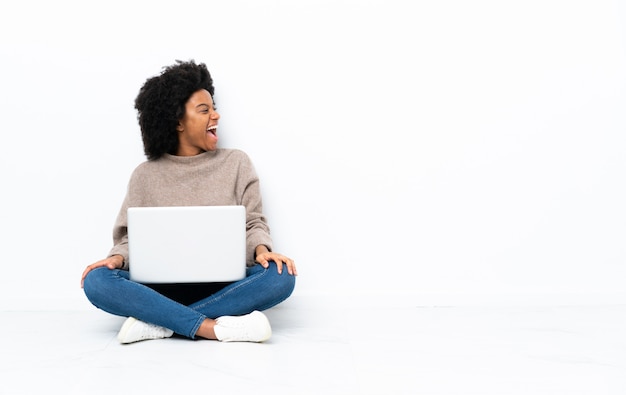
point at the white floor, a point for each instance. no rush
(323, 348)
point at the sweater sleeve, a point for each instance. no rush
(257, 229)
(120, 234)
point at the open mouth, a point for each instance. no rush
(212, 130)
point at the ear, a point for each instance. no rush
(179, 128)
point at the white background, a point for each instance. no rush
(431, 151)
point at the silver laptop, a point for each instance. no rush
(191, 244)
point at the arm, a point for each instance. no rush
(248, 194)
(118, 256)
(258, 239)
(120, 235)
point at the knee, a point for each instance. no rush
(94, 285)
(284, 283)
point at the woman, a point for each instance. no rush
(178, 124)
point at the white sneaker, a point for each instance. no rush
(134, 330)
(253, 327)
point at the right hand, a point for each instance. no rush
(112, 262)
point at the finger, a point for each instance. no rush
(279, 265)
(285, 261)
(262, 261)
(291, 267)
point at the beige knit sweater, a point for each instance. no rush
(214, 178)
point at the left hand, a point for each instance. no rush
(112, 262)
(263, 257)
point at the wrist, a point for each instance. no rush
(118, 259)
(260, 249)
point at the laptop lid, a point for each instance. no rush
(187, 244)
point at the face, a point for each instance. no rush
(197, 130)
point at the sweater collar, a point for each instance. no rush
(190, 159)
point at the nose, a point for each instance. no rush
(215, 115)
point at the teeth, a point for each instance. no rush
(214, 127)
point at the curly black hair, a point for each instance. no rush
(161, 102)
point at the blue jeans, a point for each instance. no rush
(113, 292)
